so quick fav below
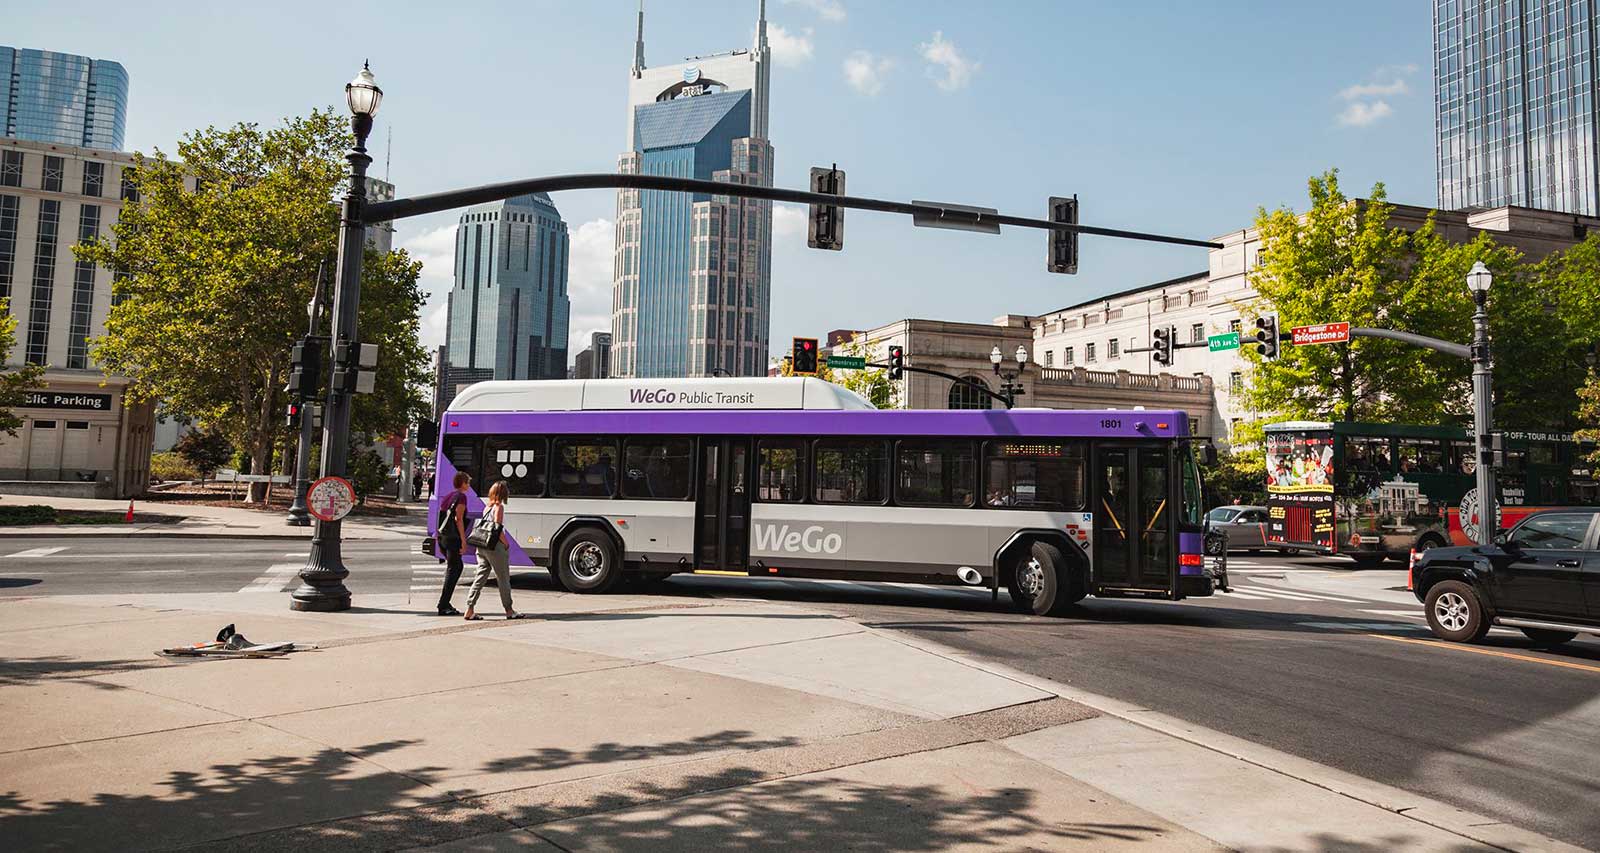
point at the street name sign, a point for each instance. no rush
(1323, 333)
(847, 362)
(1222, 342)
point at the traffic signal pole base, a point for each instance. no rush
(322, 588)
(298, 516)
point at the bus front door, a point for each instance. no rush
(722, 506)
(1133, 518)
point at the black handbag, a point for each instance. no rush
(485, 532)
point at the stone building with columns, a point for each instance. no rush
(963, 349)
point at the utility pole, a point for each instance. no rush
(310, 358)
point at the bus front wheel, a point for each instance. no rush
(1041, 581)
(589, 561)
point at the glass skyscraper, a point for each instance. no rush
(693, 276)
(508, 309)
(1514, 104)
(62, 98)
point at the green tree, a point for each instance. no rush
(1342, 261)
(217, 277)
(205, 450)
(1237, 475)
(1589, 414)
(15, 380)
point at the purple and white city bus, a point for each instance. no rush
(801, 478)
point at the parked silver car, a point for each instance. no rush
(1244, 526)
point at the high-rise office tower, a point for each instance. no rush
(1514, 104)
(693, 273)
(62, 98)
(509, 306)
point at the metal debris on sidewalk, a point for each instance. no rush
(232, 644)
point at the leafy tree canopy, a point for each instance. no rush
(217, 276)
(15, 380)
(1343, 261)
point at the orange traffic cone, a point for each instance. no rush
(129, 517)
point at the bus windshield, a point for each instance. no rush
(1193, 502)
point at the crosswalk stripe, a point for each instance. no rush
(1410, 614)
(1303, 596)
(1244, 595)
(39, 552)
(415, 587)
(275, 578)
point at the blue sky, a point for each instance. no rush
(1179, 118)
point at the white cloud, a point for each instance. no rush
(436, 249)
(946, 65)
(828, 10)
(1362, 113)
(788, 220)
(865, 72)
(1366, 102)
(1396, 86)
(789, 48)
(589, 282)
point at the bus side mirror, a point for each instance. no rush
(1208, 455)
(427, 434)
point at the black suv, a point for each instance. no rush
(1542, 576)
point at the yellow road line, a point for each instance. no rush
(1477, 651)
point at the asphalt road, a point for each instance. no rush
(1308, 657)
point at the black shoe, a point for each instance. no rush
(449, 611)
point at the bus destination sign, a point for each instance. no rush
(1322, 333)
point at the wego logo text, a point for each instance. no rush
(812, 540)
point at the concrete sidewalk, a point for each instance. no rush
(201, 521)
(613, 723)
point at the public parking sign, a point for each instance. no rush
(1324, 333)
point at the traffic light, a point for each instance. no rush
(897, 362)
(305, 369)
(827, 221)
(805, 356)
(1161, 346)
(292, 415)
(1267, 336)
(356, 362)
(1063, 244)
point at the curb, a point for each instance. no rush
(163, 534)
(1473, 827)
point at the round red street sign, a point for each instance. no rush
(331, 498)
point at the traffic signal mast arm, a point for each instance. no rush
(962, 380)
(402, 208)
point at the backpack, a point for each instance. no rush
(445, 524)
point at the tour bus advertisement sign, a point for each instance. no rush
(1322, 333)
(1299, 463)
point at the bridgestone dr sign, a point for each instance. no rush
(1326, 333)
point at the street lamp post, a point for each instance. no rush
(1010, 388)
(1478, 281)
(322, 587)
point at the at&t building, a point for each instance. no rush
(691, 292)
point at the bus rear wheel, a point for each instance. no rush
(589, 562)
(1041, 581)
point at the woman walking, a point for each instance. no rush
(496, 556)
(452, 538)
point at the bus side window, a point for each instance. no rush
(585, 468)
(780, 463)
(657, 468)
(520, 461)
(462, 451)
